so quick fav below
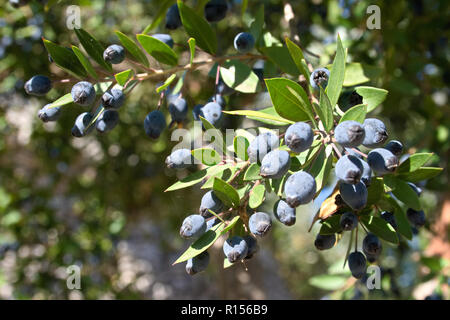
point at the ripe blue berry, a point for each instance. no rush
(197, 112)
(216, 10)
(284, 213)
(38, 85)
(349, 221)
(366, 176)
(299, 137)
(395, 146)
(80, 128)
(299, 189)
(252, 245)
(107, 121)
(319, 78)
(219, 99)
(154, 124)
(113, 98)
(212, 112)
(375, 133)
(83, 93)
(349, 133)
(357, 264)
(210, 202)
(235, 249)
(416, 218)
(275, 164)
(244, 42)
(163, 37)
(372, 245)
(48, 113)
(114, 54)
(261, 145)
(354, 195)
(179, 159)
(349, 169)
(173, 19)
(198, 263)
(211, 223)
(325, 242)
(193, 226)
(260, 224)
(178, 109)
(389, 218)
(382, 161)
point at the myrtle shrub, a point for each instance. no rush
(317, 140)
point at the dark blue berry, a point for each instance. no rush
(284, 213)
(193, 226)
(178, 109)
(107, 121)
(179, 159)
(244, 42)
(198, 263)
(325, 242)
(252, 245)
(38, 85)
(83, 93)
(173, 19)
(212, 112)
(349, 169)
(49, 113)
(382, 161)
(416, 218)
(354, 195)
(349, 133)
(260, 224)
(300, 189)
(395, 146)
(319, 78)
(81, 126)
(261, 145)
(216, 10)
(299, 137)
(275, 164)
(348, 221)
(375, 133)
(163, 37)
(357, 264)
(154, 124)
(235, 249)
(210, 202)
(114, 54)
(113, 98)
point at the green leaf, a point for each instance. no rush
(321, 169)
(261, 115)
(65, 58)
(337, 73)
(227, 263)
(372, 96)
(328, 281)
(325, 112)
(226, 193)
(420, 174)
(375, 191)
(414, 162)
(239, 76)
(197, 177)
(257, 24)
(257, 196)
(388, 203)
(331, 225)
(402, 191)
(380, 228)
(299, 59)
(158, 49)
(166, 83)
(191, 43)
(207, 156)
(240, 145)
(133, 48)
(357, 73)
(282, 58)
(198, 28)
(356, 113)
(93, 48)
(65, 99)
(124, 76)
(213, 132)
(164, 6)
(289, 99)
(85, 62)
(252, 172)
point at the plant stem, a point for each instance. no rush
(336, 150)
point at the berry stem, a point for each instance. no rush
(359, 152)
(336, 150)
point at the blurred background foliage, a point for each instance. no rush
(98, 202)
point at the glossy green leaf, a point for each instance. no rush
(133, 48)
(191, 43)
(252, 114)
(226, 193)
(375, 191)
(372, 96)
(85, 62)
(240, 145)
(357, 73)
(280, 56)
(93, 48)
(420, 174)
(331, 225)
(414, 162)
(256, 196)
(252, 172)
(298, 58)
(166, 83)
(198, 28)
(289, 99)
(239, 76)
(65, 58)
(380, 228)
(325, 112)
(403, 191)
(124, 76)
(158, 49)
(257, 24)
(337, 73)
(65, 99)
(388, 203)
(356, 113)
(207, 156)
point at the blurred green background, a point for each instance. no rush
(98, 202)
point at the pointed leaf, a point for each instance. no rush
(402, 191)
(414, 162)
(93, 48)
(297, 56)
(226, 193)
(336, 80)
(133, 48)
(124, 76)
(380, 228)
(65, 58)
(356, 113)
(239, 76)
(85, 62)
(158, 49)
(372, 96)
